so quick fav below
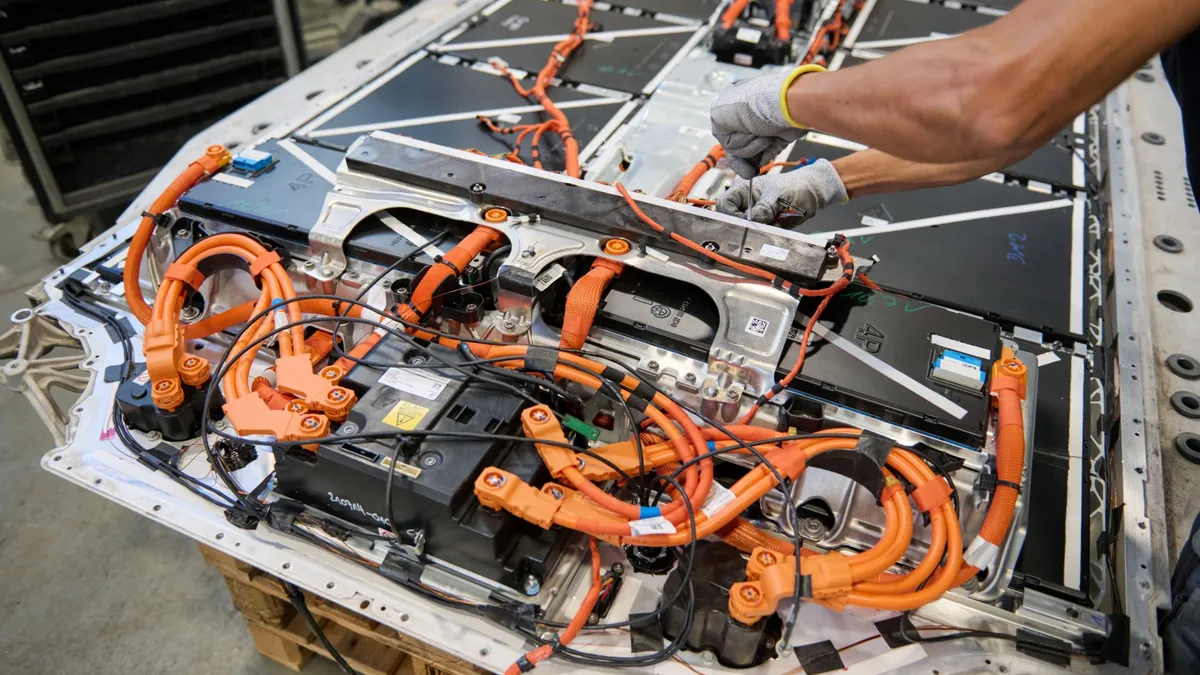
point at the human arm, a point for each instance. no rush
(1003, 89)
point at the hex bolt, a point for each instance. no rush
(182, 233)
(310, 264)
(532, 585)
(733, 394)
(477, 188)
(494, 480)
(690, 377)
(309, 423)
(539, 415)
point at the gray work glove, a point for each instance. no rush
(804, 191)
(748, 120)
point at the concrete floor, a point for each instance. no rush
(89, 587)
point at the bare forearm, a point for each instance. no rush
(873, 172)
(1002, 89)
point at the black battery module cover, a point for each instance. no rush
(432, 486)
(901, 360)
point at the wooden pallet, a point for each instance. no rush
(281, 634)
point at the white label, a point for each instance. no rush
(649, 526)
(749, 35)
(693, 131)
(551, 275)
(1047, 358)
(415, 382)
(964, 369)
(757, 326)
(743, 59)
(390, 323)
(871, 221)
(718, 498)
(281, 319)
(508, 118)
(236, 181)
(774, 252)
(143, 378)
(960, 346)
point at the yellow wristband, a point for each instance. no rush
(802, 70)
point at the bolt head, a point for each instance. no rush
(309, 423)
(733, 394)
(690, 377)
(539, 415)
(494, 480)
(653, 365)
(309, 264)
(191, 362)
(750, 594)
(766, 558)
(510, 324)
(182, 233)
(337, 395)
(710, 391)
(429, 460)
(163, 386)
(555, 492)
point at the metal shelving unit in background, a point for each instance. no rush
(98, 96)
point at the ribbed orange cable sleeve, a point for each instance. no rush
(733, 12)
(783, 19)
(689, 180)
(1010, 463)
(584, 299)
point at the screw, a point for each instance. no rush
(430, 460)
(331, 373)
(351, 274)
(403, 617)
(494, 480)
(733, 394)
(766, 558)
(348, 428)
(163, 385)
(710, 391)
(191, 362)
(708, 658)
(1072, 612)
(1145, 585)
(750, 594)
(309, 423)
(712, 246)
(471, 307)
(309, 264)
(189, 313)
(555, 492)
(539, 415)
(616, 568)
(690, 377)
(485, 651)
(769, 643)
(529, 252)
(337, 395)
(477, 188)
(653, 365)
(510, 324)
(182, 233)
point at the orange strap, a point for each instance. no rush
(932, 494)
(262, 262)
(184, 273)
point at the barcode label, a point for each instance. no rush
(757, 326)
(718, 498)
(415, 382)
(871, 221)
(774, 252)
(650, 526)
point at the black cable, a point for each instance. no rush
(387, 491)
(492, 257)
(296, 597)
(337, 326)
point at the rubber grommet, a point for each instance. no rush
(1186, 403)
(1169, 244)
(1184, 366)
(1188, 445)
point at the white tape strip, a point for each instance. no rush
(958, 346)
(230, 179)
(308, 160)
(408, 233)
(604, 36)
(891, 373)
(955, 218)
